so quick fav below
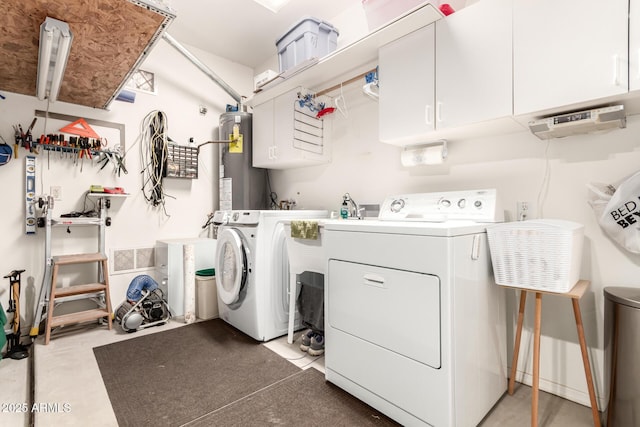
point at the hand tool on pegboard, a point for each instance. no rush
(28, 138)
(17, 140)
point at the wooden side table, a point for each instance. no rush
(575, 294)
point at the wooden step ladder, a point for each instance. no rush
(74, 290)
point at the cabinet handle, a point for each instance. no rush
(638, 65)
(475, 248)
(616, 69)
(275, 152)
(439, 112)
(374, 280)
(427, 115)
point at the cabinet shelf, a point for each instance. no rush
(327, 70)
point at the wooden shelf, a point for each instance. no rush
(106, 49)
(355, 56)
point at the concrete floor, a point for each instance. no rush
(69, 389)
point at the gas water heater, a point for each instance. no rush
(242, 187)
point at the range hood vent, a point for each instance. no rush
(579, 123)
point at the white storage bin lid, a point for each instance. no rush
(302, 21)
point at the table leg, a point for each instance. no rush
(585, 360)
(516, 347)
(536, 361)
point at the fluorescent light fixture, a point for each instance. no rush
(55, 43)
(273, 5)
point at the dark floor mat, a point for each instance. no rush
(172, 377)
(303, 399)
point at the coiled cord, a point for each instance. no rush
(153, 154)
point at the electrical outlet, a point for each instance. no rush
(56, 192)
(523, 211)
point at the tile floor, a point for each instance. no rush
(69, 390)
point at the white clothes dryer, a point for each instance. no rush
(414, 323)
(252, 269)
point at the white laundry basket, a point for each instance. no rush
(540, 254)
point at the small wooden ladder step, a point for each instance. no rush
(80, 289)
(79, 317)
(78, 258)
(74, 290)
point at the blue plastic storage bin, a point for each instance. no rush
(309, 38)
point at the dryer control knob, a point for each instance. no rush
(397, 205)
(478, 204)
(236, 215)
(462, 203)
(445, 202)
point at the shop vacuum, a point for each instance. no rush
(144, 307)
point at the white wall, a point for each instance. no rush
(515, 165)
(181, 88)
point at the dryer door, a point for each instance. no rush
(231, 266)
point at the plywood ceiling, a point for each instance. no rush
(111, 37)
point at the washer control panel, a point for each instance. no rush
(472, 205)
(236, 217)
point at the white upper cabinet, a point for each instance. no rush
(263, 134)
(568, 51)
(474, 64)
(289, 135)
(407, 93)
(634, 45)
(455, 72)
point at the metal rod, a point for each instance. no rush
(213, 76)
(346, 82)
(215, 142)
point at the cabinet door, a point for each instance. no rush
(634, 45)
(284, 151)
(263, 136)
(474, 64)
(406, 75)
(568, 51)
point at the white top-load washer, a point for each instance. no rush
(414, 323)
(252, 269)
